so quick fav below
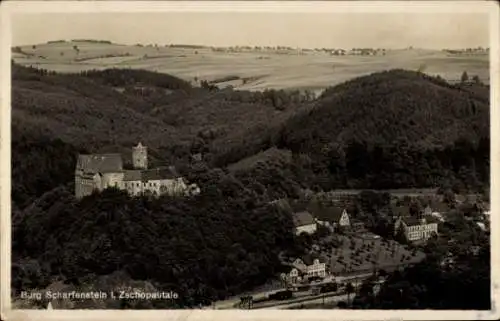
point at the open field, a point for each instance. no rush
(254, 70)
(353, 254)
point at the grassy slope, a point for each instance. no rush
(314, 70)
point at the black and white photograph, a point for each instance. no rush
(250, 156)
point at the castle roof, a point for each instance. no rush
(139, 146)
(155, 174)
(132, 175)
(100, 163)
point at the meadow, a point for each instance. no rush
(251, 70)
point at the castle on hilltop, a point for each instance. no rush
(100, 171)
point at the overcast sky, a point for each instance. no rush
(307, 30)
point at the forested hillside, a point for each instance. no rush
(110, 111)
(222, 243)
(390, 107)
(394, 129)
(386, 130)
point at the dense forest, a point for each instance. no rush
(221, 243)
(386, 130)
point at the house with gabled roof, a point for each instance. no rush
(332, 216)
(304, 223)
(308, 266)
(437, 209)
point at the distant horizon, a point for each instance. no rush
(145, 44)
(434, 30)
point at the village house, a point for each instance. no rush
(357, 226)
(306, 268)
(416, 228)
(332, 217)
(100, 171)
(304, 223)
(437, 209)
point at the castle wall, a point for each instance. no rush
(175, 186)
(133, 187)
(112, 180)
(84, 186)
(86, 183)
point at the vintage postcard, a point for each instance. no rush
(249, 160)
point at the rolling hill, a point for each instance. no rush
(391, 106)
(394, 129)
(385, 130)
(105, 111)
(255, 70)
(377, 118)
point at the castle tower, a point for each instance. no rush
(140, 156)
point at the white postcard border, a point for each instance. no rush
(10, 8)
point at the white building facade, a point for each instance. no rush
(416, 230)
(301, 271)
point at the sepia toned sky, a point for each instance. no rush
(307, 30)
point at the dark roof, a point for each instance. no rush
(159, 173)
(88, 175)
(151, 174)
(308, 259)
(100, 163)
(132, 175)
(431, 219)
(329, 214)
(302, 218)
(413, 221)
(197, 157)
(400, 210)
(139, 146)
